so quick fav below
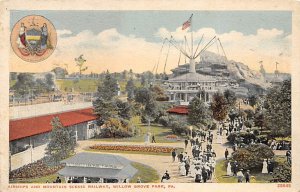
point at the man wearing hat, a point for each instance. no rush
(247, 176)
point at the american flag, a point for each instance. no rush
(187, 23)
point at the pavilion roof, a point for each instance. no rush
(180, 109)
(193, 77)
(127, 171)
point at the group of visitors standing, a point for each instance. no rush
(200, 165)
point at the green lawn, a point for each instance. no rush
(85, 85)
(158, 131)
(147, 174)
(82, 85)
(220, 172)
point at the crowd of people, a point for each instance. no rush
(197, 161)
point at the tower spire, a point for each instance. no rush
(192, 58)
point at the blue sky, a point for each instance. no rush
(119, 40)
(146, 23)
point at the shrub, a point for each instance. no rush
(164, 121)
(232, 137)
(247, 137)
(179, 128)
(113, 133)
(252, 156)
(263, 138)
(248, 124)
(256, 132)
(213, 126)
(282, 174)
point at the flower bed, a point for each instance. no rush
(172, 137)
(138, 148)
(33, 170)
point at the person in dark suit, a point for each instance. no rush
(288, 156)
(226, 153)
(165, 176)
(271, 165)
(186, 142)
(187, 168)
(153, 139)
(173, 154)
(235, 168)
(204, 175)
(247, 176)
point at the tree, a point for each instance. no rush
(198, 112)
(123, 108)
(230, 98)
(79, 63)
(159, 93)
(25, 82)
(278, 109)
(147, 98)
(232, 115)
(249, 114)
(146, 78)
(219, 107)
(49, 81)
(143, 95)
(104, 110)
(13, 76)
(259, 119)
(130, 87)
(252, 100)
(60, 73)
(143, 80)
(108, 89)
(124, 74)
(61, 144)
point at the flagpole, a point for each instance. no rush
(192, 51)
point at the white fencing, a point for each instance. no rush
(29, 156)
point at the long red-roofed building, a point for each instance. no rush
(27, 127)
(32, 133)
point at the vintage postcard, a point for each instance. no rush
(149, 96)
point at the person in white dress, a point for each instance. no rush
(193, 170)
(147, 138)
(229, 173)
(219, 139)
(265, 167)
(182, 169)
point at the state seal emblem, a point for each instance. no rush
(33, 38)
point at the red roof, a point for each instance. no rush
(36, 125)
(181, 109)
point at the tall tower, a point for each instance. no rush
(262, 69)
(276, 70)
(192, 66)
